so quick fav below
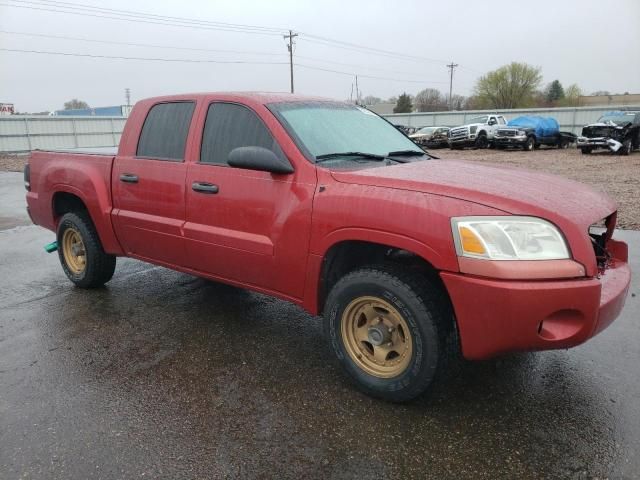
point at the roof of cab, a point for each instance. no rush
(257, 97)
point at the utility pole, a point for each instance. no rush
(357, 92)
(291, 36)
(127, 95)
(451, 66)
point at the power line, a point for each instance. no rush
(226, 62)
(362, 48)
(137, 13)
(351, 74)
(58, 6)
(146, 45)
(142, 20)
(151, 59)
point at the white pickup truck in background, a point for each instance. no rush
(479, 132)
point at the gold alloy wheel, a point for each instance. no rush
(75, 255)
(376, 337)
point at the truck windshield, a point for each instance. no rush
(325, 128)
(621, 119)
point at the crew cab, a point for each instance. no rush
(478, 132)
(411, 260)
(617, 131)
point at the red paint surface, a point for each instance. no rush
(270, 232)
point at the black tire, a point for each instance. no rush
(585, 150)
(626, 147)
(529, 145)
(98, 265)
(481, 141)
(427, 313)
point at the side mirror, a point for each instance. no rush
(492, 121)
(258, 158)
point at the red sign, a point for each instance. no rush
(6, 109)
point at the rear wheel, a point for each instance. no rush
(391, 330)
(82, 257)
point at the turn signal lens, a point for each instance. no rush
(470, 242)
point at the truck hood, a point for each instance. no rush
(512, 190)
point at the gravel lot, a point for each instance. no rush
(617, 176)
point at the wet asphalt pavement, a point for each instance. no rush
(163, 375)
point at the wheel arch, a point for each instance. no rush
(66, 199)
(348, 254)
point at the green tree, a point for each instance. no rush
(75, 104)
(404, 104)
(554, 92)
(510, 86)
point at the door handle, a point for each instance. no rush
(129, 178)
(204, 187)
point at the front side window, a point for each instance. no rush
(165, 130)
(230, 126)
(325, 128)
(482, 119)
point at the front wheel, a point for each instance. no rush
(529, 144)
(626, 148)
(481, 141)
(82, 257)
(586, 150)
(392, 331)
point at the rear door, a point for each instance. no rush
(149, 186)
(247, 226)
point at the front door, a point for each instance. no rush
(248, 226)
(149, 188)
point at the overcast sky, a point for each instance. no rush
(592, 43)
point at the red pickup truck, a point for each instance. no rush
(411, 260)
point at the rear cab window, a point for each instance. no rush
(165, 130)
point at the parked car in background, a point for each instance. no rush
(431, 137)
(532, 131)
(412, 261)
(478, 132)
(617, 131)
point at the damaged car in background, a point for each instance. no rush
(617, 131)
(431, 137)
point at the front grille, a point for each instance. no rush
(507, 132)
(456, 133)
(600, 233)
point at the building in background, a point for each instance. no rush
(116, 111)
(614, 100)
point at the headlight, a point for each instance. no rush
(508, 238)
(521, 132)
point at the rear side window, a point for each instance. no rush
(230, 126)
(165, 130)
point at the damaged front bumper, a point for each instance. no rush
(599, 142)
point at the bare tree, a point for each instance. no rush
(75, 104)
(430, 100)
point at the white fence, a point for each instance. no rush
(19, 134)
(571, 119)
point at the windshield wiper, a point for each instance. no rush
(330, 156)
(406, 153)
(409, 153)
